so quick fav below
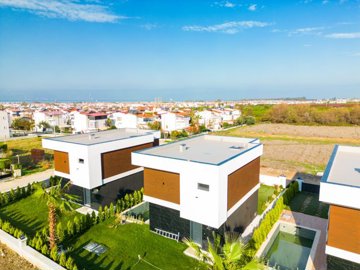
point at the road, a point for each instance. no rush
(22, 181)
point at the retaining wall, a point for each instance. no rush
(28, 253)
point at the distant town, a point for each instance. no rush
(173, 118)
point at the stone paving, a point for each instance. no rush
(317, 223)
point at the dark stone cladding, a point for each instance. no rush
(242, 216)
(168, 220)
(111, 192)
(335, 263)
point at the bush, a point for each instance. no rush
(273, 215)
(5, 163)
(45, 250)
(54, 254)
(62, 259)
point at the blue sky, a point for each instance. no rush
(182, 50)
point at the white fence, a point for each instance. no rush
(28, 253)
(273, 180)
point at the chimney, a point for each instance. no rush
(182, 147)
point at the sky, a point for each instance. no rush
(128, 50)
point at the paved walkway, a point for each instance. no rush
(317, 223)
(6, 185)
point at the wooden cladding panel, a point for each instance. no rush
(344, 228)
(162, 185)
(242, 181)
(119, 161)
(61, 162)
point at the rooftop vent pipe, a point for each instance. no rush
(182, 147)
(91, 136)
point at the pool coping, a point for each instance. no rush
(310, 262)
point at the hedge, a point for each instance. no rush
(273, 215)
(15, 195)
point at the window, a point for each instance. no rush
(203, 187)
(81, 161)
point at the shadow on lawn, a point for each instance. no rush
(28, 225)
(91, 261)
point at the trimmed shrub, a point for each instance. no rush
(45, 250)
(54, 254)
(62, 259)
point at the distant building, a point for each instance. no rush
(53, 118)
(99, 164)
(172, 121)
(4, 125)
(124, 120)
(89, 122)
(201, 185)
(340, 188)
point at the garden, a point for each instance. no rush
(47, 217)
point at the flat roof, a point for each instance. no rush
(209, 149)
(102, 136)
(344, 166)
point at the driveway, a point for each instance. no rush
(22, 181)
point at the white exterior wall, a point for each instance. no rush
(89, 174)
(4, 125)
(124, 120)
(273, 180)
(171, 122)
(205, 207)
(332, 193)
(81, 122)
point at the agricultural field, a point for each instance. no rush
(297, 148)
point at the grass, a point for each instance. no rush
(308, 203)
(24, 146)
(263, 195)
(31, 214)
(124, 244)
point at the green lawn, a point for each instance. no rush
(263, 195)
(308, 203)
(124, 244)
(31, 214)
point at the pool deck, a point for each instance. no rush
(313, 222)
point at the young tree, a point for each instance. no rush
(56, 199)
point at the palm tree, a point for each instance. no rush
(56, 199)
(230, 256)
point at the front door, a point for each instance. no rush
(196, 232)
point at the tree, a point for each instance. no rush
(229, 256)
(156, 125)
(56, 199)
(22, 124)
(44, 125)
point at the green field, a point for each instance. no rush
(31, 214)
(124, 243)
(308, 203)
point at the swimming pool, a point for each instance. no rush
(289, 247)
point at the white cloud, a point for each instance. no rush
(307, 31)
(226, 4)
(353, 35)
(227, 28)
(252, 7)
(67, 9)
(149, 26)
